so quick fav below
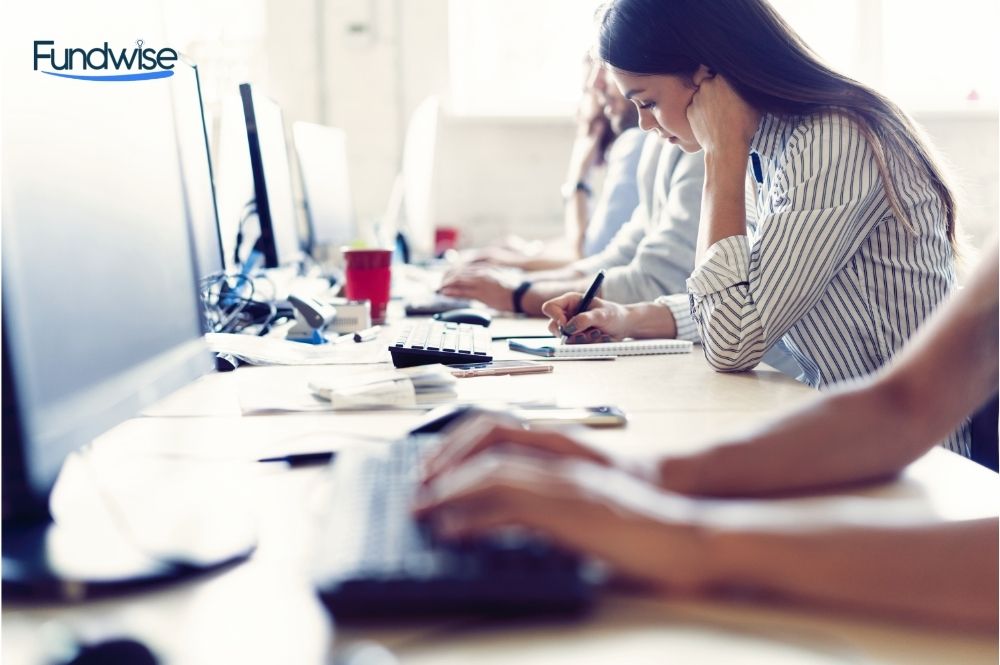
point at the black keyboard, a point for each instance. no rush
(430, 342)
(376, 561)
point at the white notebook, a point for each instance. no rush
(554, 348)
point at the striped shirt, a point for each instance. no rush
(825, 268)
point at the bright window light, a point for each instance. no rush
(522, 57)
(518, 57)
(830, 30)
(941, 55)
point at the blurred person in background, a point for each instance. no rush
(600, 191)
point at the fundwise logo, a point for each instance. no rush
(139, 64)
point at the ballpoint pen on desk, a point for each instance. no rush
(368, 334)
(302, 459)
(588, 298)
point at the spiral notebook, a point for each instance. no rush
(554, 348)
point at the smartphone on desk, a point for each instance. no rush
(499, 368)
(591, 416)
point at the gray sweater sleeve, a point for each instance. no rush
(664, 256)
(622, 248)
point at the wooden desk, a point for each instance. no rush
(264, 611)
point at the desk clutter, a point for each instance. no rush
(425, 385)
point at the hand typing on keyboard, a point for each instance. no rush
(374, 558)
(478, 482)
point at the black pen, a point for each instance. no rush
(504, 338)
(588, 298)
(303, 459)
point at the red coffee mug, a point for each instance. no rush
(445, 238)
(368, 276)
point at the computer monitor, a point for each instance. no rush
(419, 155)
(238, 226)
(99, 310)
(322, 154)
(257, 218)
(273, 198)
(196, 166)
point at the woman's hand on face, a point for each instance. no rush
(604, 321)
(644, 535)
(719, 117)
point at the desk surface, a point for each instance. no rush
(264, 610)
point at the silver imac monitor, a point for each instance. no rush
(419, 157)
(322, 154)
(258, 214)
(100, 314)
(196, 165)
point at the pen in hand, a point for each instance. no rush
(588, 298)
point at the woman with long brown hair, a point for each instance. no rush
(826, 227)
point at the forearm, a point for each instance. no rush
(555, 254)
(577, 200)
(723, 206)
(551, 260)
(543, 291)
(943, 572)
(945, 373)
(564, 274)
(575, 220)
(950, 368)
(838, 439)
(649, 320)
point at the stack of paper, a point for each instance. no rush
(426, 385)
(276, 351)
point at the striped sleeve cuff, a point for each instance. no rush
(679, 305)
(726, 264)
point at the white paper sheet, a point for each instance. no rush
(292, 389)
(274, 351)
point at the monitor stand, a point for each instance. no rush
(83, 541)
(43, 562)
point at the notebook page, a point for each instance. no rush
(554, 348)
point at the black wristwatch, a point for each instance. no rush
(518, 295)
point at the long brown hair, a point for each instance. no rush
(770, 67)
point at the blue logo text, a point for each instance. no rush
(135, 64)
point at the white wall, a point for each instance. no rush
(502, 176)
(494, 175)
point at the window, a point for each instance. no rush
(225, 38)
(521, 57)
(923, 54)
(518, 57)
(940, 55)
